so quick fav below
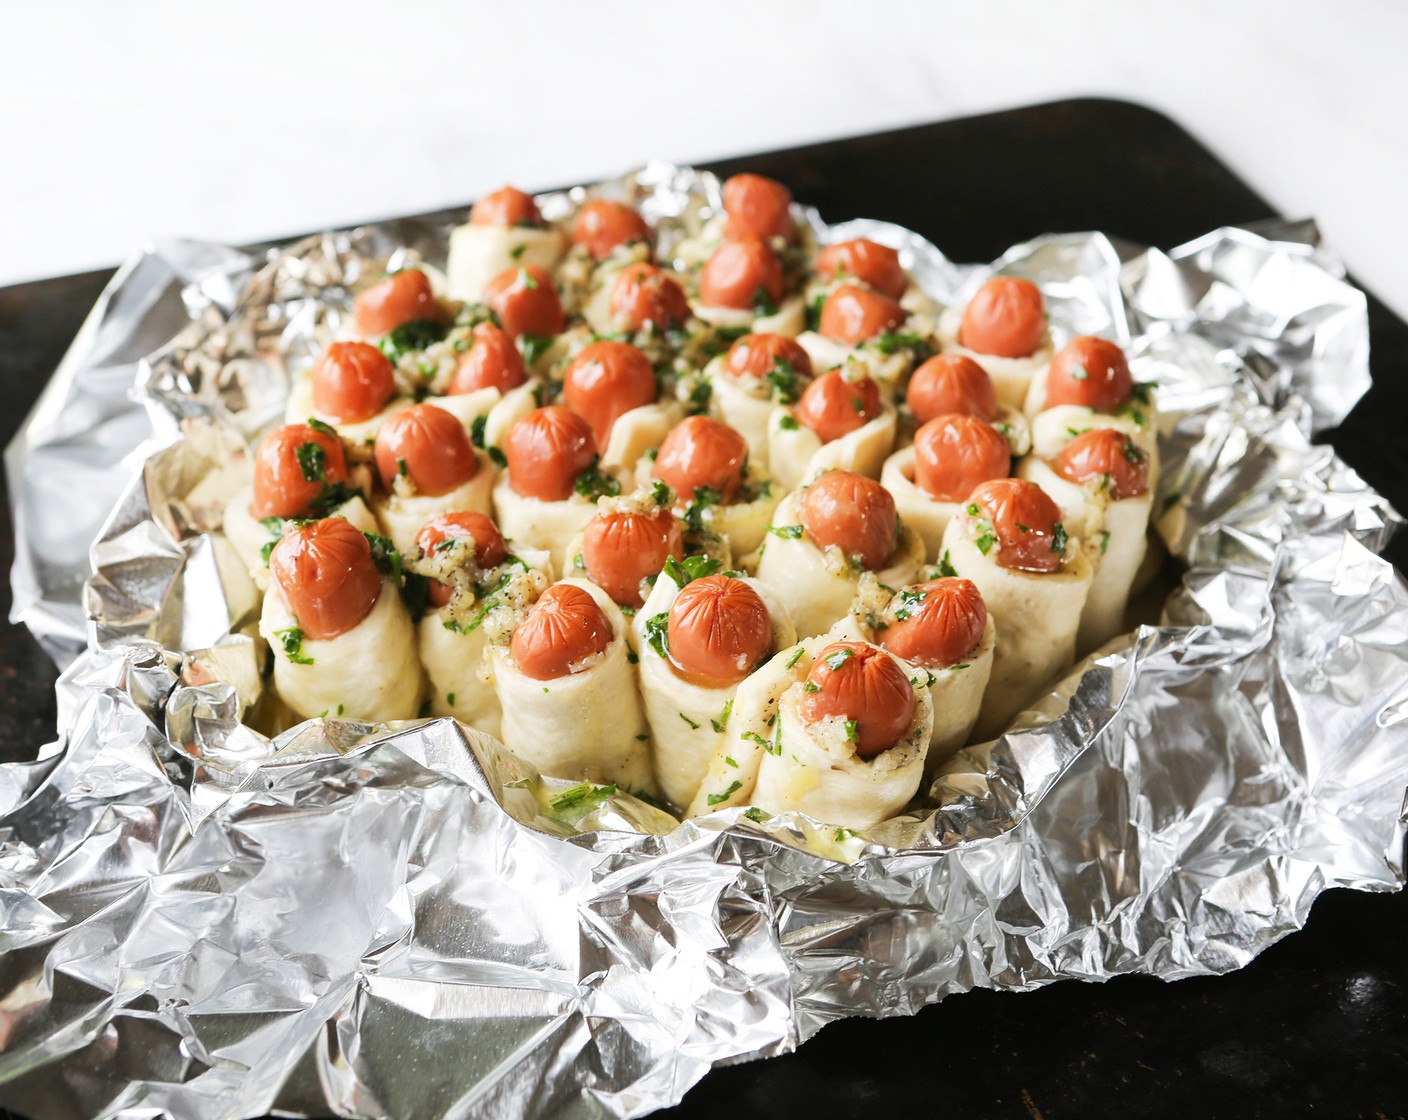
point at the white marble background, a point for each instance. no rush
(121, 122)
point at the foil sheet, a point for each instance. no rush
(200, 921)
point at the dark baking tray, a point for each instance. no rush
(1317, 1024)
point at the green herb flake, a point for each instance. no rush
(591, 483)
(318, 426)
(517, 251)
(788, 424)
(786, 532)
(476, 431)
(796, 657)
(312, 461)
(692, 725)
(412, 337)
(497, 457)
(843, 834)
(700, 396)
(809, 686)
(763, 303)
(581, 795)
(783, 381)
(1079, 373)
(946, 567)
(716, 798)
(657, 629)
(449, 699)
(632, 657)
(1104, 541)
(385, 555)
(535, 346)
(291, 638)
(704, 497)
(852, 730)
(1058, 538)
(728, 711)
(835, 660)
(685, 571)
(660, 493)
(907, 602)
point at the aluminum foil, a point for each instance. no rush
(200, 921)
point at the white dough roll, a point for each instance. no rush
(886, 370)
(370, 673)
(300, 409)
(551, 526)
(788, 320)
(745, 404)
(478, 253)
(688, 721)
(796, 455)
(957, 695)
(1114, 535)
(818, 587)
(816, 771)
(745, 524)
(453, 662)
(248, 536)
(453, 657)
(1011, 377)
(402, 516)
(586, 726)
(637, 431)
(1037, 616)
(927, 517)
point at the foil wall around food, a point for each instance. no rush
(199, 920)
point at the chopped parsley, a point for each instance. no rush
(660, 493)
(786, 532)
(497, 457)
(796, 657)
(591, 483)
(527, 280)
(704, 497)
(1143, 392)
(580, 795)
(476, 431)
(517, 251)
(788, 424)
(1058, 538)
(843, 834)
(716, 798)
(810, 687)
(312, 461)
(691, 568)
(852, 730)
(534, 346)
(291, 638)
(411, 337)
(657, 633)
(763, 303)
(946, 567)
(783, 381)
(756, 815)
(385, 555)
(1104, 541)
(835, 660)
(908, 600)
(318, 426)
(722, 722)
(1079, 373)
(692, 725)
(700, 396)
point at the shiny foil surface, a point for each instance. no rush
(199, 921)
